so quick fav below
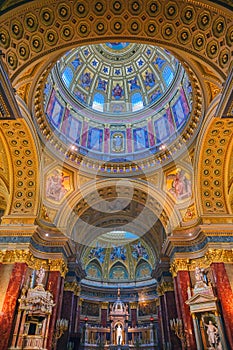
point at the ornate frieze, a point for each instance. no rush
(211, 256)
(25, 256)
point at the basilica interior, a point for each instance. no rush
(116, 175)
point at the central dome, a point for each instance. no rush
(118, 101)
(118, 78)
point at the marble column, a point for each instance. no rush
(104, 314)
(183, 282)
(163, 322)
(55, 286)
(67, 313)
(225, 296)
(170, 309)
(133, 310)
(16, 281)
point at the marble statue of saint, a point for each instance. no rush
(119, 335)
(40, 276)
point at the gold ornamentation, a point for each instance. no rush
(179, 265)
(104, 306)
(72, 287)
(165, 287)
(211, 256)
(25, 256)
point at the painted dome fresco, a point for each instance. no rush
(118, 257)
(118, 101)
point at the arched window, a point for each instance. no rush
(168, 75)
(98, 102)
(67, 76)
(137, 101)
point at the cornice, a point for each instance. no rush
(211, 256)
(26, 256)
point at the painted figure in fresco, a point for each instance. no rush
(117, 91)
(117, 142)
(134, 84)
(139, 251)
(118, 252)
(55, 188)
(149, 79)
(102, 84)
(97, 252)
(119, 335)
(181, 185)
(86, 79)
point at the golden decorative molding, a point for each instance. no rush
(211, 256)
(25, 256)
(165, 287)
(133, 305)
(72, 287)
(104, 305)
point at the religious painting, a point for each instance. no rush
(139, 251)
(117, 91)
(118, 252)
(140, 137)
(93, 271)
(164, 127)
(90, 309)
(75, 129)
(143, 270)
(180, 110)
(117, 141)
(210, 332)
(97, 252)
(147, 308)
(56, 113)
(178, 184)
(57, 184)
(85, 79)
(95, 139)
(118, 272)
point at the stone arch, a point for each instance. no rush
(213, 170)
(156, 206)
(24, 184)
(177, 25)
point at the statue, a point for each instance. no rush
(40, 276)
(119, 335)
(200, 277)
(213, 335)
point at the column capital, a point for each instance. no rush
(165, 287)
(72, 287)
(25, 256)
(211, 256)
(133, 305)
(104, 305)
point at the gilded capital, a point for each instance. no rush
(179, 265)
(72, 287)
(165, 287)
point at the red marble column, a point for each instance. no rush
(225, 296)
(134, 317)
(163, 322)
(183, 281)
(177, 299)
(55, 286)
(67, 312)
(170, 309)
(104, 315)
(16, 282)
(160, 328)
